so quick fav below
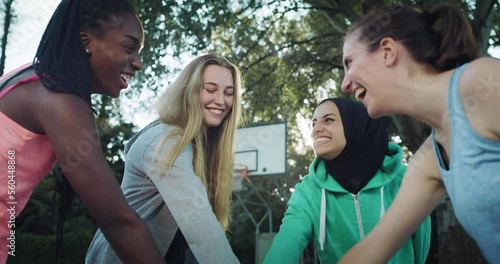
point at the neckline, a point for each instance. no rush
(439, 149)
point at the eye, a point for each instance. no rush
(229, 92)
(211, 90)
(329, 119)
(347, 63)
(129, 48)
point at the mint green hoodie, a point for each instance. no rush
(322, 210)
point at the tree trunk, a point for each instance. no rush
(482, 24)
(6, 28)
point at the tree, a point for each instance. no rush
(290, 53)
(451, 236)
(9, 16)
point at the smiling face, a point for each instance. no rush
(114, 54)
(363, 74)
(217, 94)
(327, 131)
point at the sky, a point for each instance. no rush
(26, 32)
(32, 17)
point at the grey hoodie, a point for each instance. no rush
(174, 200)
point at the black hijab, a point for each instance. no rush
(366, 145)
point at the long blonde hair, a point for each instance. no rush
(213, 147)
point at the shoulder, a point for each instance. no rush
(152, 142)
(482, 71)
(60, 113)
(307, 189)
(479, 90)
(152, 136)
(58, 105)
(308, 183)
(393, 160)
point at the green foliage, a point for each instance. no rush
(36, 248)
(290, 53)
(36, 228)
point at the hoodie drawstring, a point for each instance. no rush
(382, 205)
(322, 219)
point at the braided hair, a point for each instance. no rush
(63, 66)
(61, 62)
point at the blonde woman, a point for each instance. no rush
(178, 170)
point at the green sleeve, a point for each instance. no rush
(422, 241)
(294, 234)
(422, 237)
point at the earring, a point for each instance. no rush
(87, 51)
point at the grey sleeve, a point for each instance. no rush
(187, 200)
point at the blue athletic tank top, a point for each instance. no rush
(472, 179)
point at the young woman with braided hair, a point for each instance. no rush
(89, 46)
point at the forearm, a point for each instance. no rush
(132, 242)
(285, 249)
(70, 125)
(125, 231)
(293, 237)
(189, 206)
(186, 199)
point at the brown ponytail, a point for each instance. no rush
(441, 37)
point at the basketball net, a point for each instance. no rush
(240, 172)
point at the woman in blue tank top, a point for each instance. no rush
(427, 65)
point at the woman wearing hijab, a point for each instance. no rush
(351, 183)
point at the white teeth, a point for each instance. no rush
(321, 139)
(126, 77)
(358, 92)
(216, 111)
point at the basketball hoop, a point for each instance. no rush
(240, 172)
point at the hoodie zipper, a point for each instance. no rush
(358, 214)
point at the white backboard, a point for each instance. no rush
(262, 149)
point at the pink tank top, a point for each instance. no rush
(25, 158)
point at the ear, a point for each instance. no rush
(87, 40)
(389, 48)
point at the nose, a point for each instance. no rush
(219, 98)
(316, 129)
(137, 63)
(346, 85)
